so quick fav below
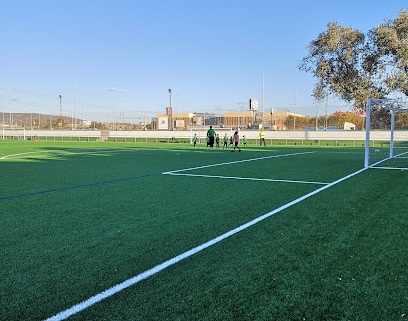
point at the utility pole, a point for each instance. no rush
(74, 106)
(171, 111)
(82, 102)
(294, 115)
(11, 118)
(60, 98)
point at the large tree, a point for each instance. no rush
(354, 66)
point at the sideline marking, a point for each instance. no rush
(160, 267)
(246, 178)
(60, 153)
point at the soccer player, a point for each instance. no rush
(217, 141)
(231, 142)
(195, 140)
(211, 135)
(225, 141)
(236, 141)
(262, 138)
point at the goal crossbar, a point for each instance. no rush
(391, 107)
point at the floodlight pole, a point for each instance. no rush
(75, 106)
(4, 111)
(294, 114)
(82, 103)
(11, 118)
(171, 111)
(60, 98)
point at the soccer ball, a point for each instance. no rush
(377, 150)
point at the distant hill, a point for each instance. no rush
(35, 120)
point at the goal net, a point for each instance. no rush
(386, 134)
(201, 132)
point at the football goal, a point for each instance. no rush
(13, 133)
(386, 134)
(201, 132)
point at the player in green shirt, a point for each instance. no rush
(217, 141)
(208, 142)
(195, 140)
(225, 141)
(211, 136)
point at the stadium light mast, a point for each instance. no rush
(74, 106)
(294, 113)
(82, 105)
(11, 120)
(171, 110)
(4, 111)
(60, 100)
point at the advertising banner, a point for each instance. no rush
(164, 123)
(179, 123)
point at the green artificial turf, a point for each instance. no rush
(80, 217)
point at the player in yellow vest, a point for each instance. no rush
(262, 138)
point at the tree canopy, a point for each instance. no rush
(355, 66)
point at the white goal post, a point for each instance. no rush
(386, 143)
(13, 133)
(201, 132)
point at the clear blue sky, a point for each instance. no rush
(124, 55)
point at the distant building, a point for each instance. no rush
(244, 119)
(349, 126)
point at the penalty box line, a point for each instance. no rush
(160, 267)
(178, 172)
(236, 162)
(247, 178)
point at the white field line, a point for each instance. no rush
(383, 167)
(28, 153)
(160, 267)
(51, 153)
(386, 159)
(236, 162)
(401, 155)
(247, 178)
